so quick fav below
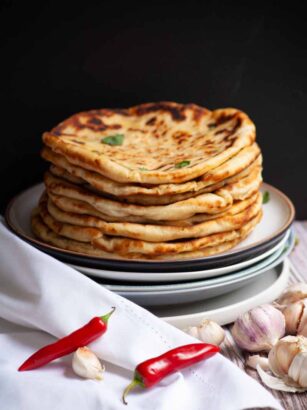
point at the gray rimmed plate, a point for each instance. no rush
(184, 275)
(192, 291)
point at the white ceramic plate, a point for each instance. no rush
(192, 291)
(278, 215)
(225, 309)
(184, 275)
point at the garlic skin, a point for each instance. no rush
(86, 364)
(296, 318)
(207, 331)
(288, 360)
(259, 328)
(293, 293)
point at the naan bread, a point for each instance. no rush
(77, 226)
(75, 206)
(139, 193)
(155, 143)
(142, 199)
(124, 246)
(211, 203)
(48, 236)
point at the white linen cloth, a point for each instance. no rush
(42, 299)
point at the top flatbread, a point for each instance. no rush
(155, 143)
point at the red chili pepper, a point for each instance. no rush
(68, 344)
(152, 371)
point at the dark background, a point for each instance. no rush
(61, 58)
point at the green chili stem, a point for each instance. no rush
(130, 386)
(106, 317)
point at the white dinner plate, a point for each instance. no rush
(166, 276)
(278, 215)
(226, 308)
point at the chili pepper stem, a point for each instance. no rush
(106, 317)
(130, 386)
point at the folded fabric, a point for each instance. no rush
(42, 299)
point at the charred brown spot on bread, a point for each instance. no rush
(221, 119)
(151, 121)
(198, 112)
(78, 142)
(137, 130)
(177, 111)
(230, 133)
(222, 131)
(94, 121)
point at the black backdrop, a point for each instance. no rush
(61, 58)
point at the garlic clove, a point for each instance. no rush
(256, 360)
(259, 328)
(192, 331)
(282, 354)
(293, 314)
(298, 369)
(208, 331)
(86, 364)
(302, 327)
(293, 293)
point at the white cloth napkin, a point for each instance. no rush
(42, 299)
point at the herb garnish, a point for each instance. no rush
(116, 139)
(182, 164)
(143, 169)
(265, 197)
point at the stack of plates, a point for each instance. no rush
(253, 272)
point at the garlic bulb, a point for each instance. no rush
(296, 318)
(259, 328)
(86, 364)
(208, 331)
(288, 361)
(293, 293)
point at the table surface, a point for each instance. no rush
(298, 261)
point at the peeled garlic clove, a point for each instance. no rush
(208, 331)
(293, 293)
(86, 364)
(259, 328)
(295, 316)
(256, 360)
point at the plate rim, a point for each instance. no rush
(152, 263)
(200, 283)
(283, 241)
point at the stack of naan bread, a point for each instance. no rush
(155, 181)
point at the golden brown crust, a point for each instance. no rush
(211, 203)
(158, 194)
(44, 233)
(146, 232)
(157, 136)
